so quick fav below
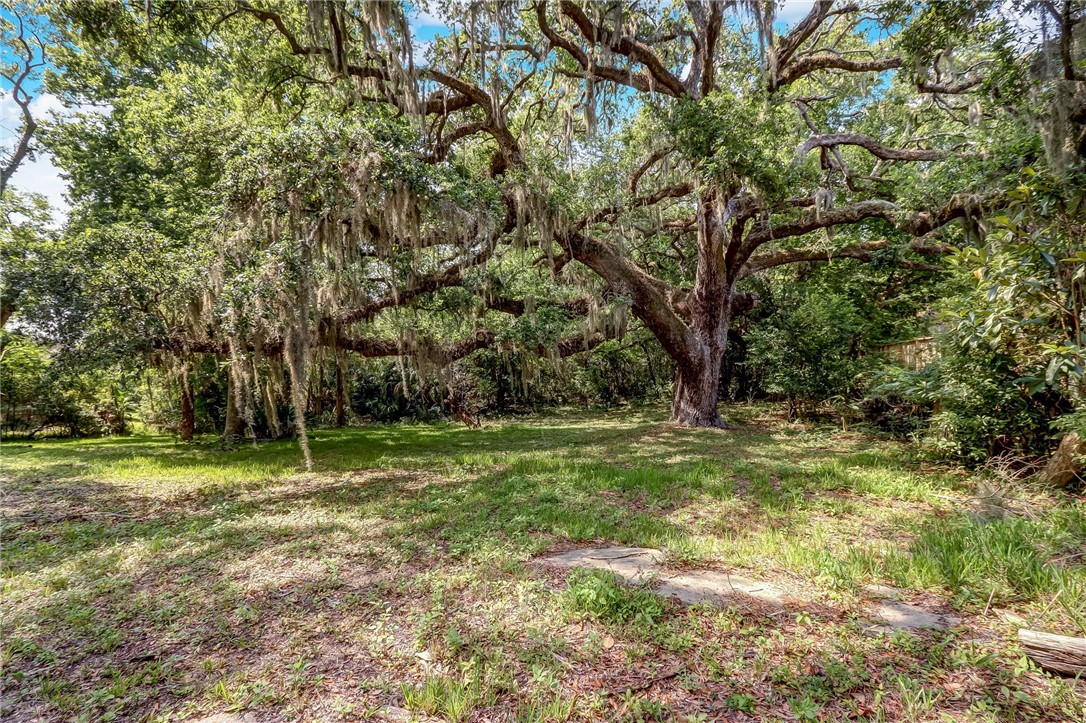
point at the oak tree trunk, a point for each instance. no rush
(234, 427)
(697, 380)
(697, 389)
(341, 400)
(188, 412)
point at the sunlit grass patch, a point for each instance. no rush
(408, 556)
(604, 596)
(999, 560)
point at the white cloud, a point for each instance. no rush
(41, 176)
(38, 174)
(421, 17)
(792, 11)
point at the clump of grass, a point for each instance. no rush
(602, 595)
(1002, 560)
(454, 699)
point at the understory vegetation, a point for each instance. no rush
(144, 579)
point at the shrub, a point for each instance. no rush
(978, 407)
(808, 350)
(604, 596)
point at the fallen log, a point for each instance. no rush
(1055, 653)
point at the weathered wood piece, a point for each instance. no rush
(1055, 653)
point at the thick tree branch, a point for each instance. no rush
(827, 60)
(830, 140)
(518, 307)
(443, 144)
(636, 80)
(636, 50)
(375, 347)
(863, 251)
(763, 232)
(653, 301)
(789, 44)
(644, 168)
(452, 276)
(677, 191)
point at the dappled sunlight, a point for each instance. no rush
(409, 551)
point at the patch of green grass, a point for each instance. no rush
(1000, 560)
(603, 595)
(453, 698)
(143, 579)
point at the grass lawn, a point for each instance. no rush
(146, 579)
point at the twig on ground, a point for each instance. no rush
(650, 682)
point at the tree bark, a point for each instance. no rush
(234, 427)
(1056, 653)
(341, 394)
(188, 413)
(697, 387)
(697, 379)
(1063, 466)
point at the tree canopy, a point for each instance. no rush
(277, 185)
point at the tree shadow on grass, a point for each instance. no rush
(233, 566)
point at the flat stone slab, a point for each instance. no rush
(644, 566)
(898, 615)
(634, 564)
(717, 587)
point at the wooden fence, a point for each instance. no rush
(913, 354)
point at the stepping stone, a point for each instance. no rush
(634, 564)
(717, 587)
(896, 615)
(643, 565)
(640, 565)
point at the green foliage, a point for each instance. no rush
(734, 140)
(808, 350)
(1011, 362)
(452, 698)
(622, 371)
(1031, 285)
(980, 407)
(44, 395)
(33, 397)
(603, 595)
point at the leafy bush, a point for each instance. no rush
(808, 350)
(616, 371)
(39, 395)
(977, 404)
(387, 392)
(604, 596)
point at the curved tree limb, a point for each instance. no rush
(830, 140)
(632, 48)
(19, 79)
(826, 60)
(863, 251)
